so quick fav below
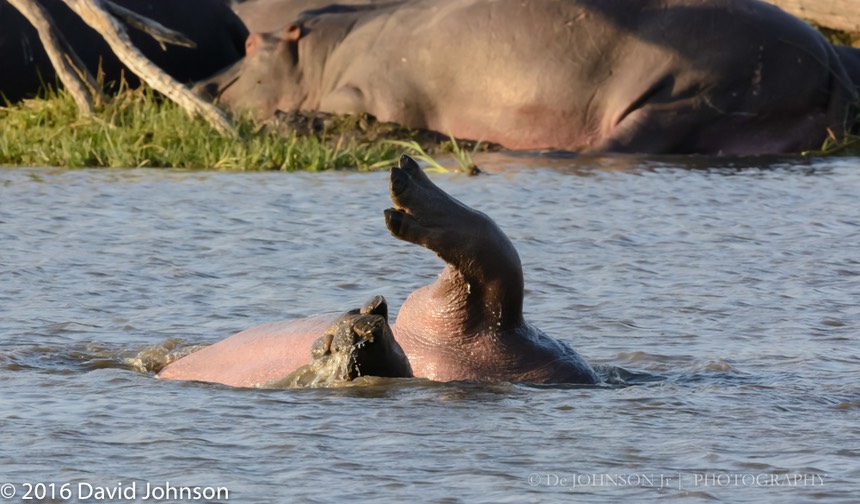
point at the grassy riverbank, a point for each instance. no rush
(137, 129)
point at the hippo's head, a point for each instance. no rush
(266, 80)
(359, 343)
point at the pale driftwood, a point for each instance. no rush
(71, 71)
(837, 14)
(95, 15)
(162, 34)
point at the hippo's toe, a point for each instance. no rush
(399, 181)
(394, 220)
(409, 165)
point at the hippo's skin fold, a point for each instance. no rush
(468, 325)
(650, 76)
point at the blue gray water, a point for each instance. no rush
(721, 297)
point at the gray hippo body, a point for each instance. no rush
(269, 15)
(660, 76)
(218, 33)
(467, 325)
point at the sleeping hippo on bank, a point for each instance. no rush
(468, 325)
(658, 76)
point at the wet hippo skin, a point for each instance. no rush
(467, 325)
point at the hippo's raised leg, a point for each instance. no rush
(469, 241)
(469, 324)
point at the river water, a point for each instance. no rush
(719, 297)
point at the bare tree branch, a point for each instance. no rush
(72, 72)
(94, 14)
(159, 32)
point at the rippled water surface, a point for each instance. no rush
(720, 297)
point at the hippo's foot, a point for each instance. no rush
(424, 214)
(465, 238)
(476, 250)
(360, 343)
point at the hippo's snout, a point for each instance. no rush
(357, 332)
(213, 88)
(360, 343)
(368, 328)
(376, 306)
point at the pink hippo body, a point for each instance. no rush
(255, 357)
(468, 325)
(659, 76)
(321, 350)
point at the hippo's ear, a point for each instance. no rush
(293, 32)
(291, 35)
(376, 306)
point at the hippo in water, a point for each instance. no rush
(656, 76)
(467, 325)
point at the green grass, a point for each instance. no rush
(461, 156)
(138, 128)
(838, 37)
(847, 145)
